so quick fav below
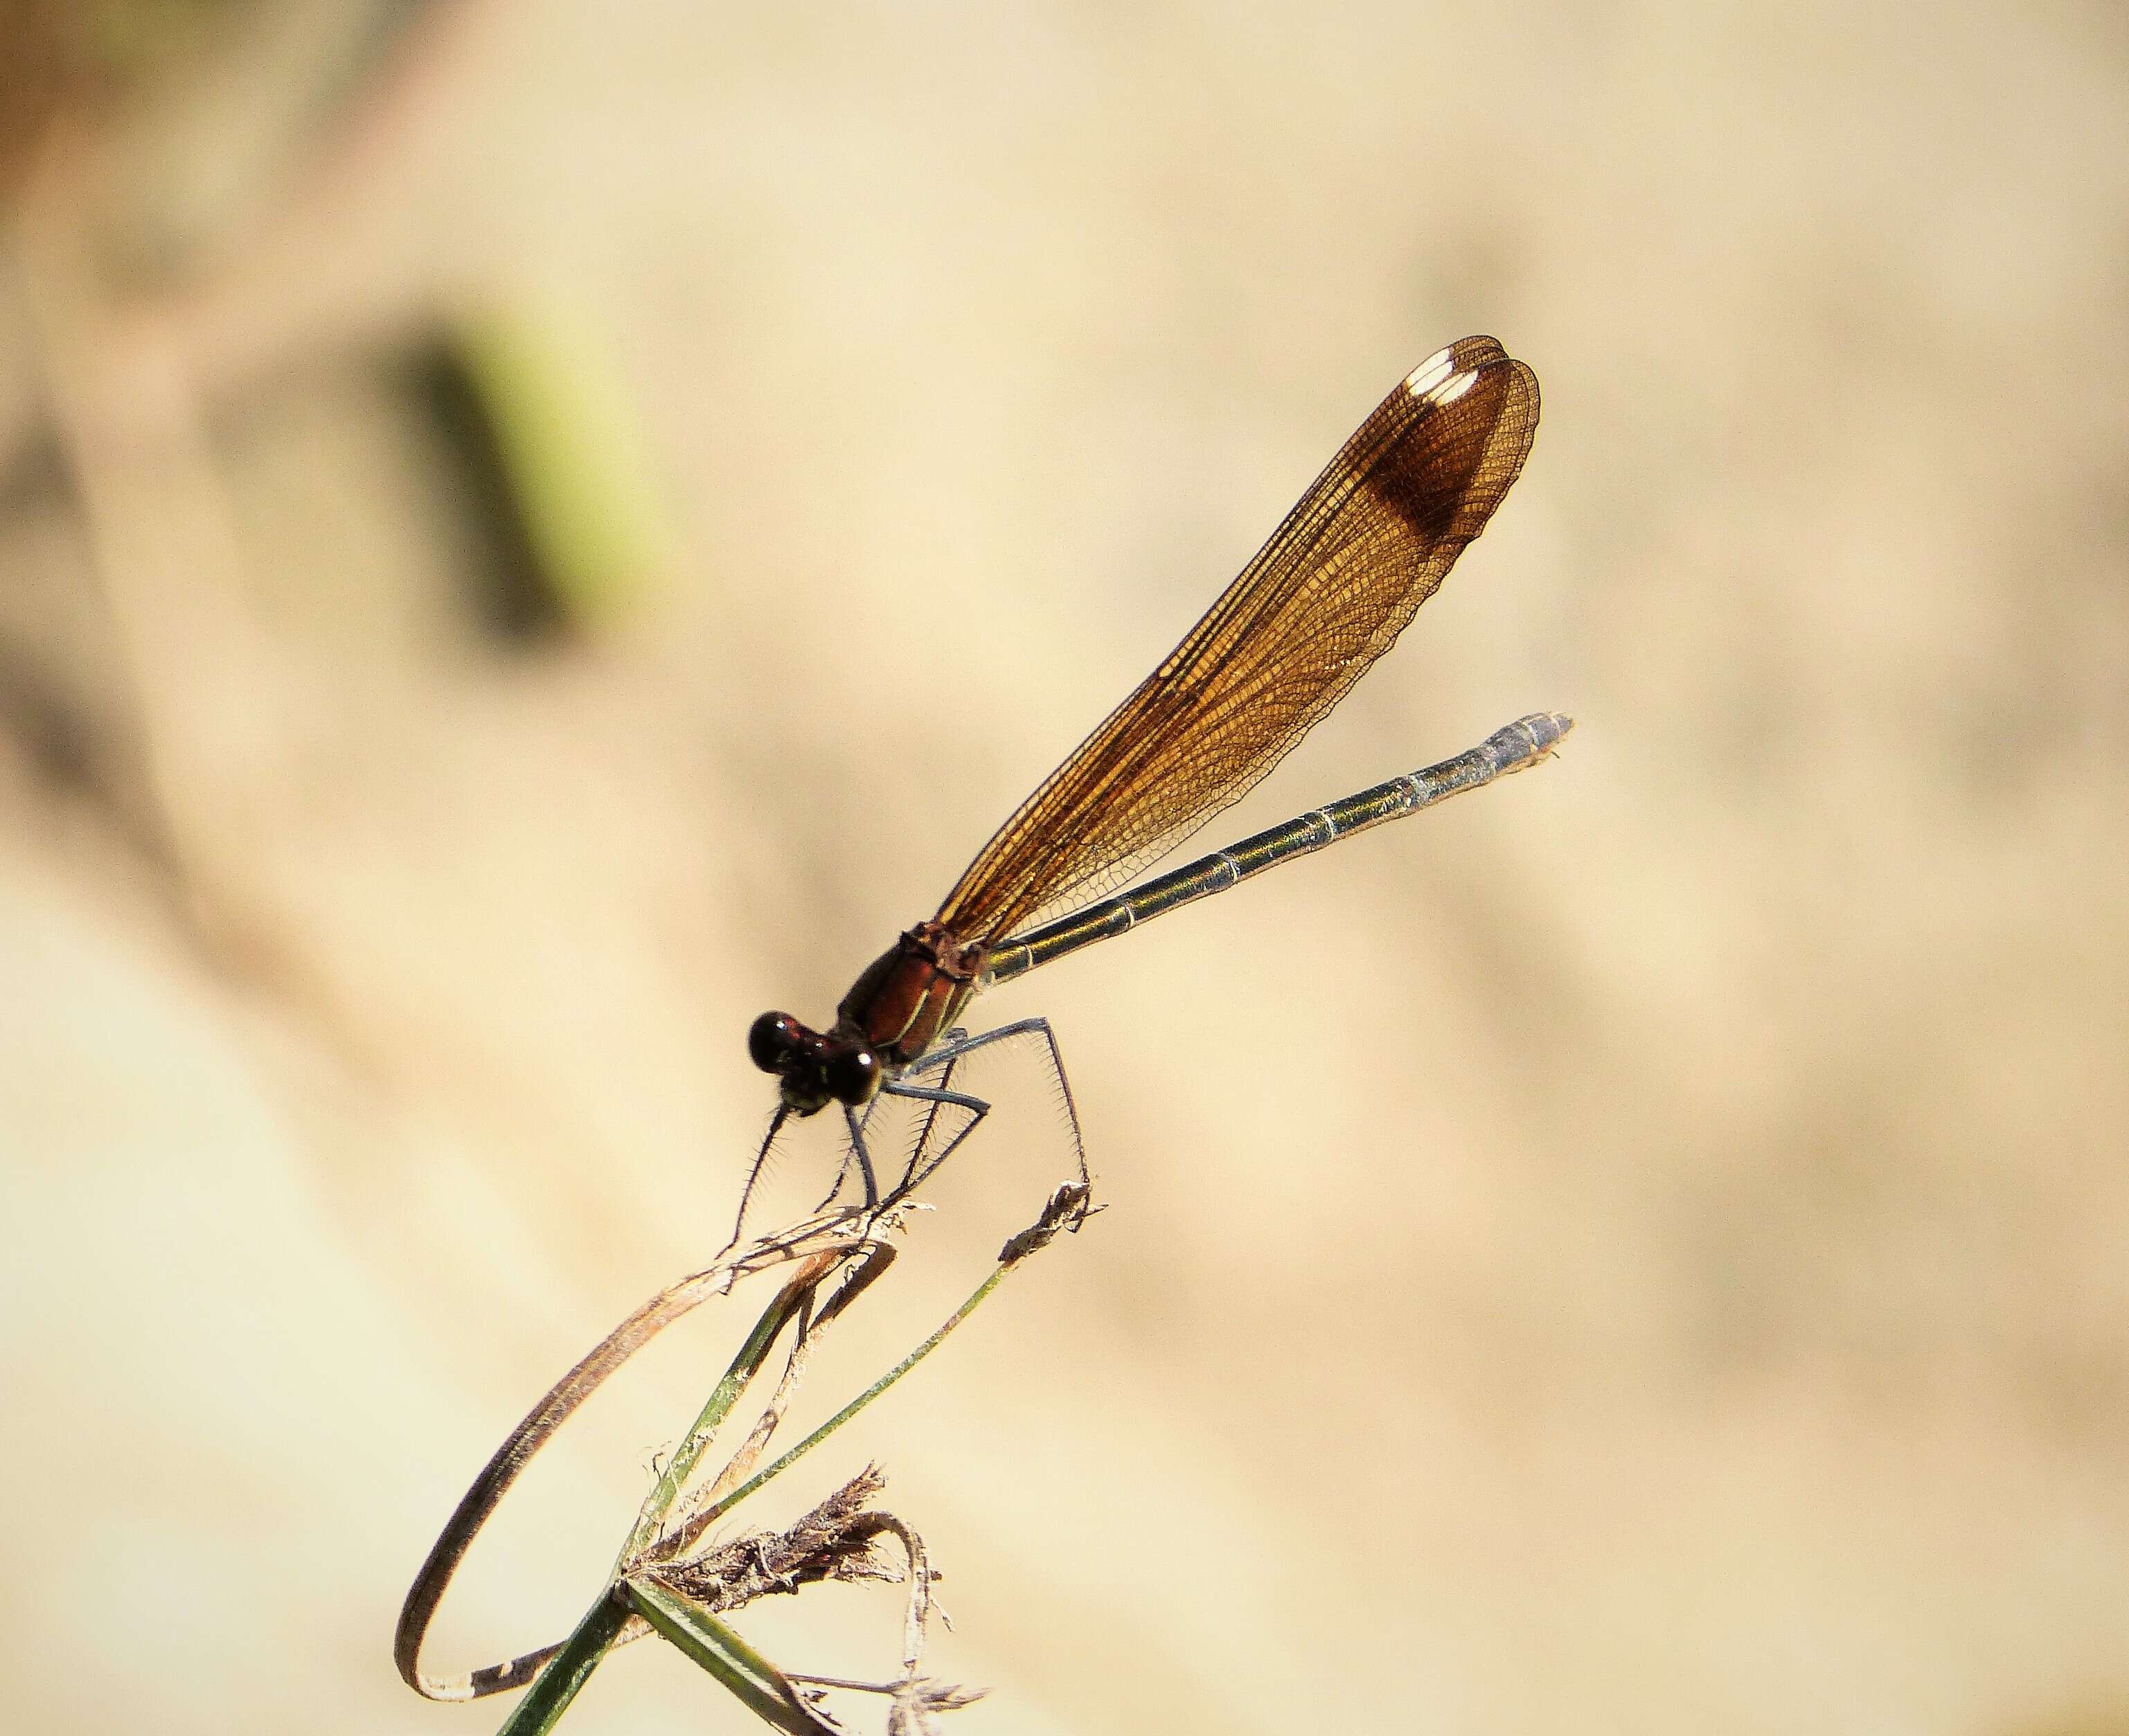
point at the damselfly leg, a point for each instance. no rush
(933, 1141)
(955, 1047)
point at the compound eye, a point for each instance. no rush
(854, 1075)
(773, 1039)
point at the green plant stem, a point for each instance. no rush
(717, 1509)
(749, 1677)
(567, 1669)
(745, 1366)
(753, 1681)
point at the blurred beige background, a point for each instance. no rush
(1641, 1249)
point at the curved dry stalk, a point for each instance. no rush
(822, 1240)
(654, 1587)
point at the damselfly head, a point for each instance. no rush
(814, 1071)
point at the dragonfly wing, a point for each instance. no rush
(1367, 543)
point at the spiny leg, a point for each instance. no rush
(859, 1152)
(944, 1059)
(835, 1187)
(922, 1142)
(855, 1123)
(914, 1177)
(959, 1044)
(754, 1175)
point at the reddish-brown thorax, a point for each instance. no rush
(912, 992)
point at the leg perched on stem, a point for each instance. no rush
(957, 1045)
(941, 1062)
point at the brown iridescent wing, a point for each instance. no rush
(1367, 543)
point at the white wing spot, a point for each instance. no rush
(1453, 388)
(1425, 379)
